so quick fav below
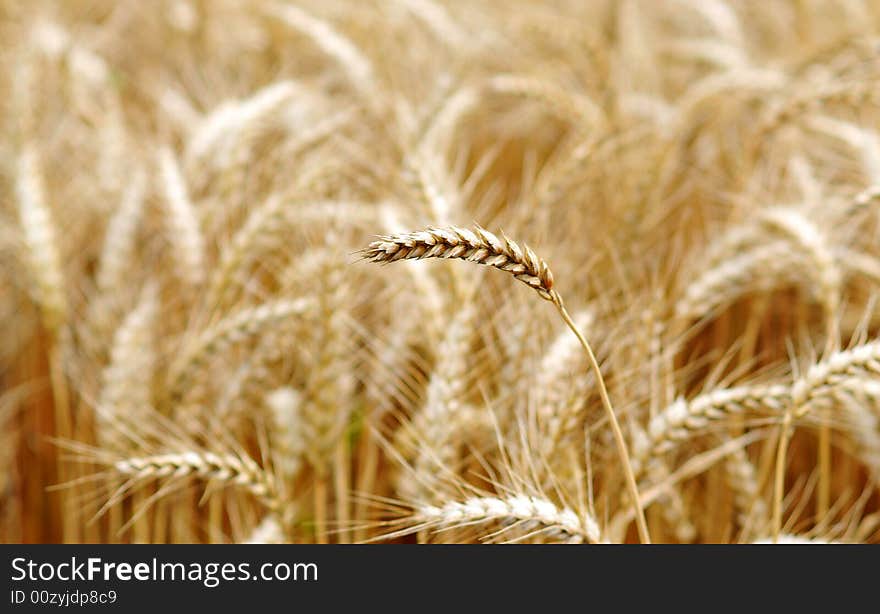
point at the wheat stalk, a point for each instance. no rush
(482, 247)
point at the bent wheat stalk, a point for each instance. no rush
(483, 247)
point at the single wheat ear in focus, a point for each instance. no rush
(478, 245)
(483, 247)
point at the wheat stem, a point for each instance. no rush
(612, 420)
(483, 247)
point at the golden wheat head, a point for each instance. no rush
(477, 245)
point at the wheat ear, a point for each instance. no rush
(120, 238)
(439, 419)
(127, 380)
(285, 406)
(577, 528)
(479, 246)
(40, 238)
(483, 247)
(807, 236)
(224, 468)
(581, 112)
(235, 328)
(682, 418)
(43, 254)
(785, 538)
(269, 531)
(356, 66)
(182, 220)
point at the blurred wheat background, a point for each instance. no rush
(197, 348)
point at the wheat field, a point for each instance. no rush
(264, 271)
